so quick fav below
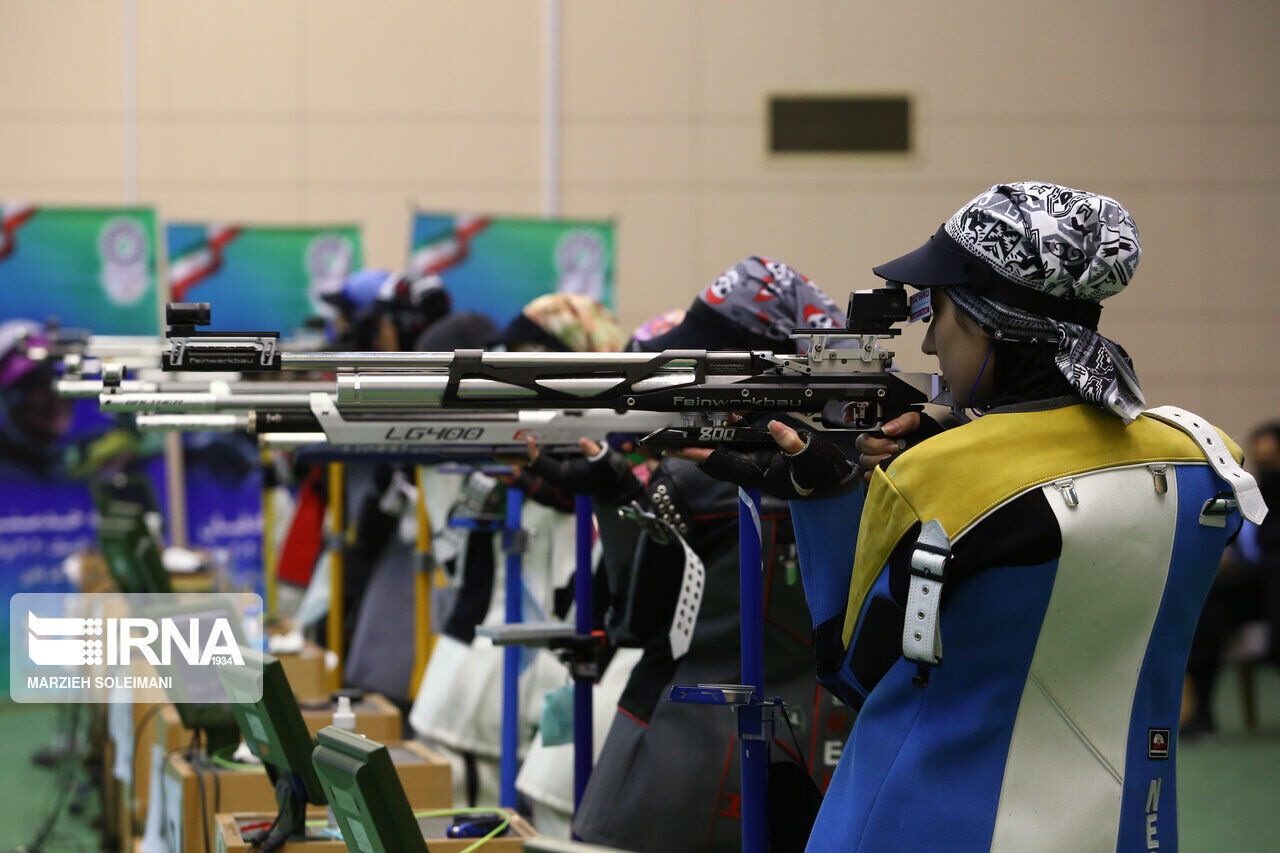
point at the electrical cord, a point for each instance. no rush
(219, 758)
(137, 737)
(217, 795)
(475, 845)
(794, 739)
(263, 835)
(194, 763)
(480, 842)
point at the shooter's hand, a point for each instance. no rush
(532, 452)
(874, 449)
(692, 454)
(787, 438)
(601, 472)
(806, 465)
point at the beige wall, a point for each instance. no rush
(319, 110)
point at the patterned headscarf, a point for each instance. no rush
(1056, 240)
(768, 298)
(581, 323)
(1062, 243)
(658, 324)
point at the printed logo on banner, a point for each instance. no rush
(328, 261)
(156, 647)
(122, 251)
(580, 262)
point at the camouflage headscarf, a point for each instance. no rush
(581, 323)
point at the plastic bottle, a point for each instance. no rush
(343, 718)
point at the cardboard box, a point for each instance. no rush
(424, 775)
(306, 673)
(377, 718)
(230, 839)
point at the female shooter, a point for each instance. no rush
(1062, 543)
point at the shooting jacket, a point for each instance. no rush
(668, 776)
(1080, 553)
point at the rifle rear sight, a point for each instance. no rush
(878, 311)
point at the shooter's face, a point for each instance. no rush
(41, 413)
(962, 349)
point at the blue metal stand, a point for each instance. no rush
(583, 739)
(753, 729)
(756, 715)
(578, 646)
(513, 545)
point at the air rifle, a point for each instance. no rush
(840, 383)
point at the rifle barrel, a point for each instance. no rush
(211, 422)
(718, 362)
(207, 401)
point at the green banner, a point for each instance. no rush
(260, 277)
(88, 267)
(497, 265)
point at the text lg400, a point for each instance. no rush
(433, 433)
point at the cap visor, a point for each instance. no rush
(931, 265)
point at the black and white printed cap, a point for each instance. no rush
(1031, 261)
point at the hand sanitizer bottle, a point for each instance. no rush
(343, 718)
